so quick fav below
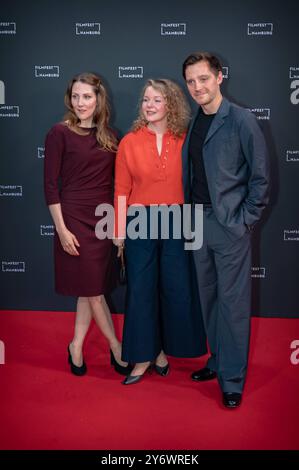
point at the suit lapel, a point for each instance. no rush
(219, 119)
(187, 167)
(186, 143)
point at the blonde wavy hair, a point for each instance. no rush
(178, 110)
(104, 135)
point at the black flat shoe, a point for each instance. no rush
(133, 379)
(163, 371)
(123, 370)
(76, 370)
(204, 374)
(231, 399)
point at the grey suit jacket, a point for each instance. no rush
(237, 167)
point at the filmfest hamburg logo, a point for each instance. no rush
(258, 272)
(294, 72)
(11, 190)
(294, 85)
(40, 152)
(47, 230)
(225, 71)
(292, 156)
(291, 235)
(133, 71)
(90, 29)
(173, 29)
(7, 110)
(13, 266)
(262, 114)
(8, 27)
(46, 71)
(259, 29)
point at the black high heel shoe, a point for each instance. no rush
(76, 370)
(123, 370)
(163, 371)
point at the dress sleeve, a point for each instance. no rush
(54, 149)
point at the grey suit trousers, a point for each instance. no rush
(223, 269)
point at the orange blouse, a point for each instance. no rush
(145, 177)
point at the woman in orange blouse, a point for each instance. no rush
(162, 316)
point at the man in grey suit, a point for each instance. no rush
(225, 168)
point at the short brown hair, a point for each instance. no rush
(212, 60)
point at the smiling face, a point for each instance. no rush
(84, 102)
(154, 106)
(204, 85)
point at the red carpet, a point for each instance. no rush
(43, 406)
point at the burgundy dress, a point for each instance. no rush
(78, 175)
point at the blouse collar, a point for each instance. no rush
(149, 132)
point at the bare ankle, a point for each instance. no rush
(161, 359)
(76, 345)
(140, 368)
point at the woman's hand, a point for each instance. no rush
(69, 242)
(119, 242)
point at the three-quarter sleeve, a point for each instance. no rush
(54, 149)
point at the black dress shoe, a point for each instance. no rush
(76, 370)
(163, 371)
(203, 374)
(123, 370)
(231, 399)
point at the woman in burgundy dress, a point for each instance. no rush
(79, 163)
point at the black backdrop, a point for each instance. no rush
(44, 43)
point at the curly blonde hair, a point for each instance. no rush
(178, 110)
(104, 135)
